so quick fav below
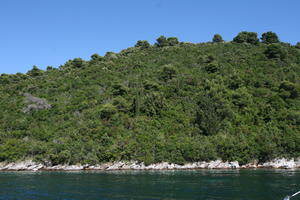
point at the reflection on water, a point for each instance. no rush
(150, 185)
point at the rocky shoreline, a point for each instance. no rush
(29, 165)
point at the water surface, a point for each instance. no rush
(150, 185)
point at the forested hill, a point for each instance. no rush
(172, 101)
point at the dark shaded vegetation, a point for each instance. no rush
(269, 38)
(217, 38)
(246, 37)
(172, 101)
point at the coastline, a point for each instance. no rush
(29, 165)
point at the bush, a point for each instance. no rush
(77, 62)
(210, 115)
(288, 90)
(168, 72)
(212, 67)
(172, 41)
(119, 89)
(110, 55)
(49, 68)
(35, 71)
(162, 41)
(121, 104)
(294, 117)
(143, 44)
(150, 85)
(269, 38)
(96, 57)
(107, 111)
(246, 37)
(275, 51)
(12, 149)
(217, 38)
(153, 104)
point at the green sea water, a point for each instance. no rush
(150, 185)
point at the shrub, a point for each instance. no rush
(172, 41)
(275, 51)
(35, 71)
(121, 104)
(217, 38)
(49, 68)
(246, 37)
(210, 115)
(162, 41)
(107, 111)
(150, 85)
(212, 67)
(96, 57)
(168, 72)
(143, 44)
(153, 104)
(269, 38)
(294, 117)
(110, 55)
(119, 89)
(288, 90)
(77, 62)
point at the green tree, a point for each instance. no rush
(210, 115)
(275, 51)
(298, 45)
(269, 38)
(96, 57)
(107, 111)
(143, 44)
(246, 37)
(35, 71)
(289, 90)
(162, 41)
(217, 38)
(172, 41)
(111, 55)
(168, 72)
(49, 68)
(78, 62)
(119, 89)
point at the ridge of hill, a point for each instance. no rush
(169, 102)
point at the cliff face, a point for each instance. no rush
(177, 103)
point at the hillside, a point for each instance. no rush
(172, 101)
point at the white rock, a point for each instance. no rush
(234, 164)
(73, 167)
(214, 164)
(280, 163)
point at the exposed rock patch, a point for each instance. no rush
(35, 103)
(29, 165)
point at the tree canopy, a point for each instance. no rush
(269, 38)
(246, 37)
(217, 38)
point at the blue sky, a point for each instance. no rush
(50, 32)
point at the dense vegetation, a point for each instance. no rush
(171, 101)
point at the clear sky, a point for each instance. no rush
(50, 32)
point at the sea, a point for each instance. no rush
(242, 184)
